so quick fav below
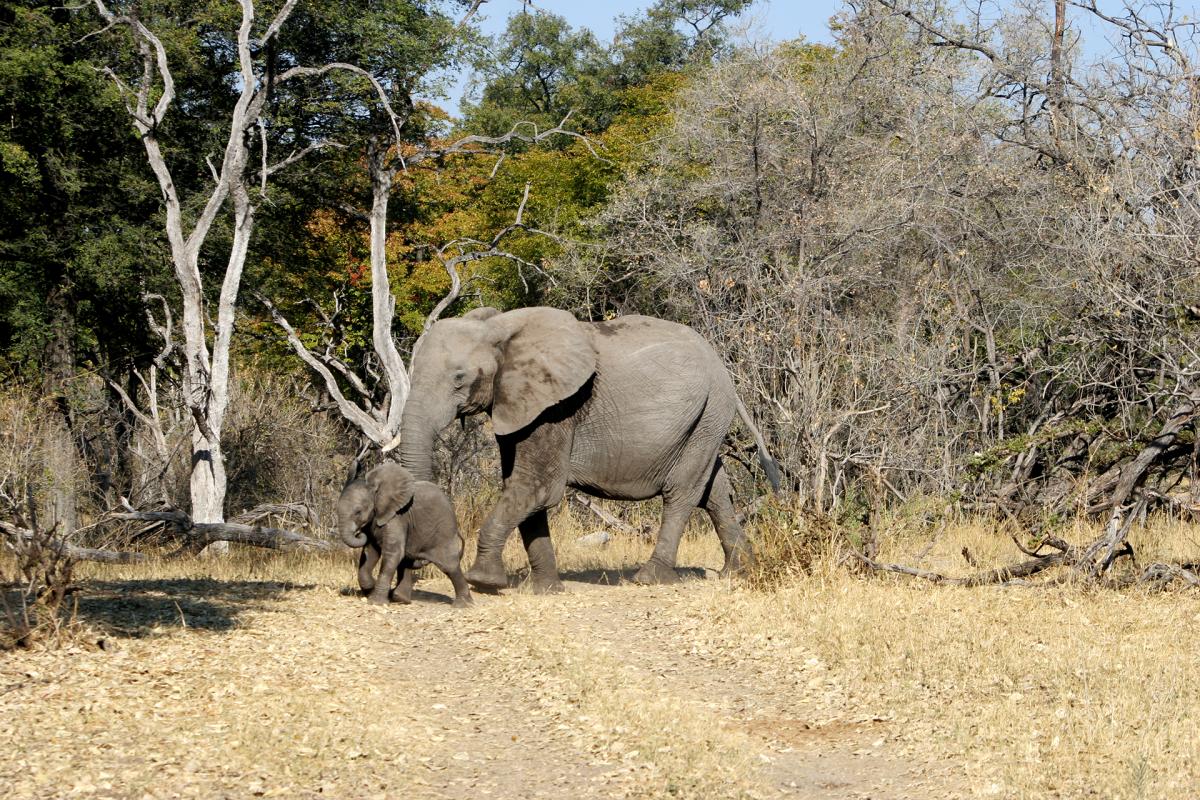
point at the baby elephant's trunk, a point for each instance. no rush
(353, 538)
(352, 512)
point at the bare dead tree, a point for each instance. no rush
(150, 97)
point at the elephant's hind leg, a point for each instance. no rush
(543, 566)
(462, 592)
(661, 566)
(718, 502)
(684, 490)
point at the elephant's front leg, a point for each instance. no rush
(367, 559)
(534, 465)
(487, 573)
(392, 548)
(525, 507)
(404, 586)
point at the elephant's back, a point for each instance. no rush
(669, 354)
(659, 390)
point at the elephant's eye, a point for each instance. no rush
(460, 377)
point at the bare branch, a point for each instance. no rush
(361, 419)
(297, 155)
(280, 18)
(201, 534)
(381, 93)
(152, 48)
(524, 131)
(66, 549)
(490, 250)
(163, 330)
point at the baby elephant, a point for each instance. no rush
(404, 524)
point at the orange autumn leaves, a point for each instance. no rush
(467, 199)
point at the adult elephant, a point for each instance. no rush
(627, 409)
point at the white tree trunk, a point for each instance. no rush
(383, 304)
(205, 374)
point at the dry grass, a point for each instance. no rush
(259, 671)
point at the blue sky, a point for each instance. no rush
(767, 19)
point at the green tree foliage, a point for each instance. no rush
(77, 240)
(315, 260)
(619, 95)
(540, 69)
(312, 256)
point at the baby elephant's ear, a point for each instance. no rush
(392, 486)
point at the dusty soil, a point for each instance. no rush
(235, 688)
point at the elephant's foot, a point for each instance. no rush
(377, 599)
(546, 585)
(738, 562)
(656, 572)
(366, 590)
(404, 587)
(487, 576)
(466, 601)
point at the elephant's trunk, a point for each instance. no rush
(351, 537)
(418, 428)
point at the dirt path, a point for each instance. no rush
(240, 689)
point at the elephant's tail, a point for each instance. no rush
(770, 466)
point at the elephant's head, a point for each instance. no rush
(373, 500)
(513, 365)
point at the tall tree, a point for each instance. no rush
(261, 72)
(76, 212)
(541, 69)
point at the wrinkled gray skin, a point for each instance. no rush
(401, 524)
(627, 409)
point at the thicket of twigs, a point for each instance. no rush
(955, 255)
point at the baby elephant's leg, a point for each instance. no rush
(453, 569)
(390, 565)
(404, 587)
(367, 560)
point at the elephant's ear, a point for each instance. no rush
(392, 487)
(547, 355)
(481, 314)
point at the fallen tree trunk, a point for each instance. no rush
(1098, 556)
(298, 510)
(68, 550)
(989, 577)
(197, 535)
(201, 534)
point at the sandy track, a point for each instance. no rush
(234, 689)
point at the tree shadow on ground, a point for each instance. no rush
(598, 576)
(137, 608)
